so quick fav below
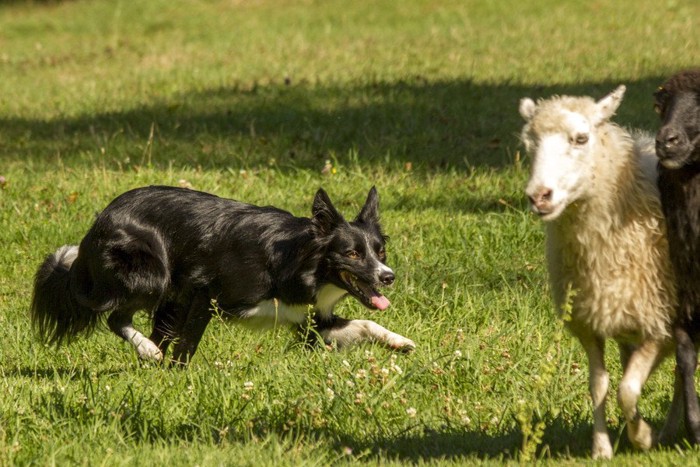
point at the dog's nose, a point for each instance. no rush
(387, 278)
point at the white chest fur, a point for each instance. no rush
(271, 313)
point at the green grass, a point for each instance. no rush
(250, 100)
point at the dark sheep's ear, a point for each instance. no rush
(325, 216)
(370, 211)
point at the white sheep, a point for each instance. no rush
(594, 184)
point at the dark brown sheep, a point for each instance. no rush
(678, 148)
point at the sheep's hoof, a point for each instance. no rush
(602, 449)
(667, 435)
(641, 436)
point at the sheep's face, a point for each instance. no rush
(678, 139)
(560, 136)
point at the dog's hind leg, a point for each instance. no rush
(121, 323)
(192, 329)
(165, 325)
(344, 332)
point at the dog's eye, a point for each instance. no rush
(382, 254)
(352, 254)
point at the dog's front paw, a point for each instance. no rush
(401, 344)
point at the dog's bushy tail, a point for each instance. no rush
(56, 313)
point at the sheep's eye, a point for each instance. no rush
(352, 254)
(581, 139)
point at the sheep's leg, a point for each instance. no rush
(687, 361)
(669, 431)
(675, 413)
(640, 365)
(599, 380)
(625, 353)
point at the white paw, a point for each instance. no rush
(149, 351)
(401, 343)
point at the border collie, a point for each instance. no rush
(184, 255)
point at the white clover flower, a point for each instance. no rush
(411, 412)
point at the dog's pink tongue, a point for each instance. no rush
(381, 302)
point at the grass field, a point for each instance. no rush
(253, 100)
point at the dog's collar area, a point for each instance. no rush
(327, 297)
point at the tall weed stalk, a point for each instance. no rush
(531, 407)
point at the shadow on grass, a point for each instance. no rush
(561, 440)
(452, 445)
(433, 125)
(139, 417)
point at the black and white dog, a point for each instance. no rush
(184, 255)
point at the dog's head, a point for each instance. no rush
(355, 257)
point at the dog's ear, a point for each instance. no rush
(370, 211)
(325, 216)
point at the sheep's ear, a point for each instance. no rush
(606, 107)
(527, 108)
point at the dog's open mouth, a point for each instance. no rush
(364, 292)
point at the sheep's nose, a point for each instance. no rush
(541, 197)
(668, 138)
